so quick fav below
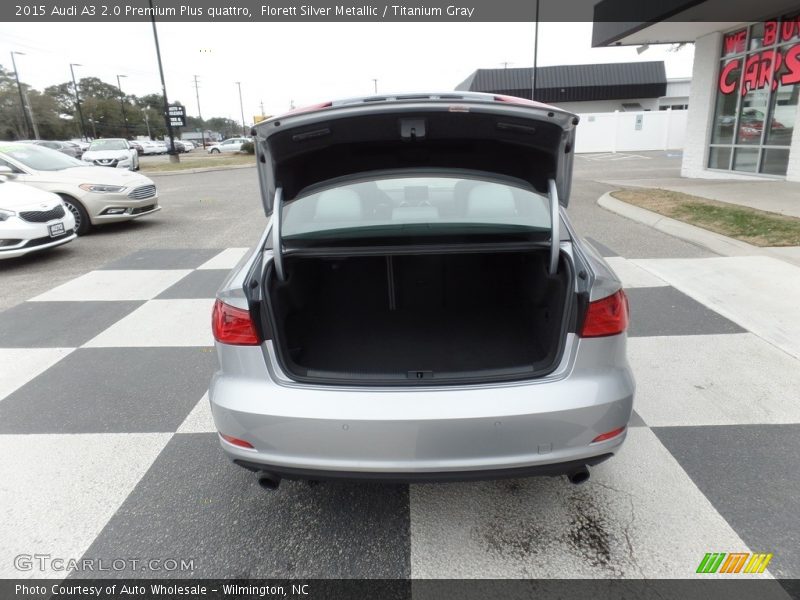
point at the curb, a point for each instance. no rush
(198, 170)
(715, 242)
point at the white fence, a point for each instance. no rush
(631, 131)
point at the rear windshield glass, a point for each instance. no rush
(107, 145)
(415, 206)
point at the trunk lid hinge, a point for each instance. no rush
(555, 216)
(277, 256)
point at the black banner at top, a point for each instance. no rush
(624, 13)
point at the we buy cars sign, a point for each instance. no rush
(177, 115)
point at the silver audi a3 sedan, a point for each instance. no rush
(419, 306)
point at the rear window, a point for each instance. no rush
(415, 206)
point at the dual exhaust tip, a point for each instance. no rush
(271, 481)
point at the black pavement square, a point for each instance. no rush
(164, 258)
(747, 473)
(111, 390)
(195, 504)
(660, 311)
(59, 324)
(197, 284)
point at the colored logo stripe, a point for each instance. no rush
(714, 562)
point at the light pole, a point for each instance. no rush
(241, 108)
(25, 113)
(77, 99)
(146, 121)
(122, 104)
(199, 114)
(173, 156)
(375, 85)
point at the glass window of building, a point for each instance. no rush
(757, 97)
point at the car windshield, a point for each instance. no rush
(416, 206)
(107, 145)
(40, 158)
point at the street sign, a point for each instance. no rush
(177, 115)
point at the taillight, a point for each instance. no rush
(607, 316)
(608, 435)
(237, 442)
(232, 325)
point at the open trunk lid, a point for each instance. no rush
(507, 136)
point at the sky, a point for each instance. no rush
(285, 64)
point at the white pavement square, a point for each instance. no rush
(227, 259)
(115, 285)
(18, 366)
(59, 491)
(757, 292)
(200, 419)
(632, 275)
(736, 379)
(640, 515)
(161, 323)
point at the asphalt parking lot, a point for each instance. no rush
(106, 354)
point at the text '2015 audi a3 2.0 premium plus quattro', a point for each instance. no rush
(419, 306)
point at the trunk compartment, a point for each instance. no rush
(420, 319)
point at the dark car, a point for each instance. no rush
(136, 146)
(68, 148)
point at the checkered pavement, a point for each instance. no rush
(109, 449)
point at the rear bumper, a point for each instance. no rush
(550, 470)
(544, 426)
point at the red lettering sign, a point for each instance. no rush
(733, 43)
(727, 85)
(790, 28)
(761, 70)
(792, 61)
(770, 32)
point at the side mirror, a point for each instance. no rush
(7, 173)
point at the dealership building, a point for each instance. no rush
(743, 118)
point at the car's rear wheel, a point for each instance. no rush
(82, 222)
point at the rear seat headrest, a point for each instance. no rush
(490, 200)
(339, 205)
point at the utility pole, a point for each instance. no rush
(505, 64)
(122, 104)
(199, 114)
(261, 104)
(146, 121)
(173, 156)
(375, 85)
(22, 105)
(78, 100)
(535, 53)
(241, 108)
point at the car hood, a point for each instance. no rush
(511, 137)
(101, 175)
(17, 196)
(105, 154)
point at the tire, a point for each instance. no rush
(82, 222)
(214, 151)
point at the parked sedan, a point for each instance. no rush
(112, 152)
(136, 146)
(31, 219)
(419, 306)
(229, 145)
(94, 195)
(68, 148)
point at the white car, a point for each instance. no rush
(94, 195)
(229, 145)
(112, 152)
(188, 145)
(151, 147)
(31, 219)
